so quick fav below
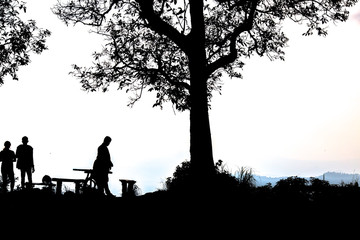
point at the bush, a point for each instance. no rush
(181, 177)
(294, 188)
(223, 181)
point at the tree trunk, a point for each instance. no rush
(200, 135)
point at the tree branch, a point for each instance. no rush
(87, 12)
(161, 27)
(231, 57)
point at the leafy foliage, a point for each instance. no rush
(224, 180)
(149, 43)
(241, 185)
(292, 187)
(181, 177)
(17, 38)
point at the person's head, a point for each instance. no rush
(7, 145)
(25, 140)
(107, 140)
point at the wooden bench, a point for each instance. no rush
(44, 184)
(59, 182)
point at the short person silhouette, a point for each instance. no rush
(102, 166)
(7, 157)
(25, 162)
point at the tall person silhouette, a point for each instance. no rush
(102, 166)
(7, 157)
(25, 162)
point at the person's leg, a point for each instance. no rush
(100, 187)
(107, 190)
(4, 178)
(22, 172)
(12, 181)
(29, 175)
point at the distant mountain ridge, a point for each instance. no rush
(331, 177)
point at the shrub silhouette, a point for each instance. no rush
(319, 190)
(180, 179)
(223, 181)
(292, 188)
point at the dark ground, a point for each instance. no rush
(173, 215)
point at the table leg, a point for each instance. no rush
(77, 187)
(124, 187)
(58, 187)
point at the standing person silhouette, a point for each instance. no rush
(25, 162)
(102, 166)
(7, 157)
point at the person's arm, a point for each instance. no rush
(32, 160)
(17, 152)
(13, 157)
(17, 156)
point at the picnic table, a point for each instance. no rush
(80, 184)
(59, 182)
(89, 182)
(87, 171)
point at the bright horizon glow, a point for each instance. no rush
(297, 117)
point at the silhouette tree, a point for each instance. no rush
(17, 38)
(181, 49)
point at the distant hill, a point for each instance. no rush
(338, 178)
(331, 177)
(261, 180)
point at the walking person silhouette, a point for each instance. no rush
(25, 162)
(102, 166)
(7, 157)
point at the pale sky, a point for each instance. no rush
(298, 117)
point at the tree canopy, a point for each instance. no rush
(17, 38)
(148, 42)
